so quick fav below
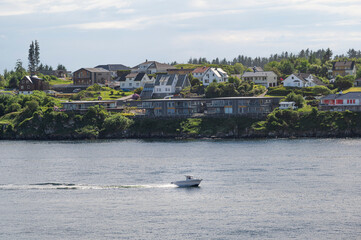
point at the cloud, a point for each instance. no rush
(143, 22)
(57, 6)
(268, 37)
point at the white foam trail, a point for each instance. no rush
(64, 186)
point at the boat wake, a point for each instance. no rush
(72, 186)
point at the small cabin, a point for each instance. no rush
(287, 105)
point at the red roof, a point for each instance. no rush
(200, 70)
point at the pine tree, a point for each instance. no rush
(36, 55)
(31, 64)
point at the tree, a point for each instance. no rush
(34, 57)
(321, 90)
(327, 56)
(343, 83)
(31, 58)
(298, 99)
(61, 67)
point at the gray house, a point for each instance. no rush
(228, 106)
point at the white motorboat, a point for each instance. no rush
(189, 182)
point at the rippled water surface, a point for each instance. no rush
(259, 189)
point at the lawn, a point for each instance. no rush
(107, 95)
(352, 89)
(93, 95)
(60, 82)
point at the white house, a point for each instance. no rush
(267, 78)
(301, 80)
(133, 80)
(214, 75)
(169, 84)
(207, 75)
(287, 105)
(199, 72)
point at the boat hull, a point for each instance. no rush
(189, 183)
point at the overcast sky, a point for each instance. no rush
(85, 33)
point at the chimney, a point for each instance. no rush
(254, 69)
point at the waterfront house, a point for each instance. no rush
(151, 67)
(287, 105)
(28, 84)
(341, 102)
(113, 68)
(343, 68)
(266, 79)
(84, 105)
(228, 106)
(90, 76)
(302, 80)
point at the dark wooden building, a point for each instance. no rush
(31, 83)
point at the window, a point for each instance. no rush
(130, 84)
(137, 84)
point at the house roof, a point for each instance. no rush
(122, 77)
(350, 95)
(113, 67)
(303, 76)
(181, 80)
(345, 64)
(258, 74)
(258, 69)
(167, 78)
(330, 96)
(200, 69)
(139, 77)
(131, 75)
(95, 69)
(154, 64)
(32, 78)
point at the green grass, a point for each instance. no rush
(60, 82)
(106, 95)
(352, 89)
(305, 108)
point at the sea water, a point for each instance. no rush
(254, 189)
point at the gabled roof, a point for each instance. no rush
(131, 75)
(181, 80)
(139, 77)
(32, 78)
(95, 69)
(200, 69)
(122, 77)
(303, 76)
(113, 67)
(258, 74)
(154, 64)
(345, 64)
(167, 78)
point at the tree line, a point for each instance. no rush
(322, 54)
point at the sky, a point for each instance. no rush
(86, 33)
